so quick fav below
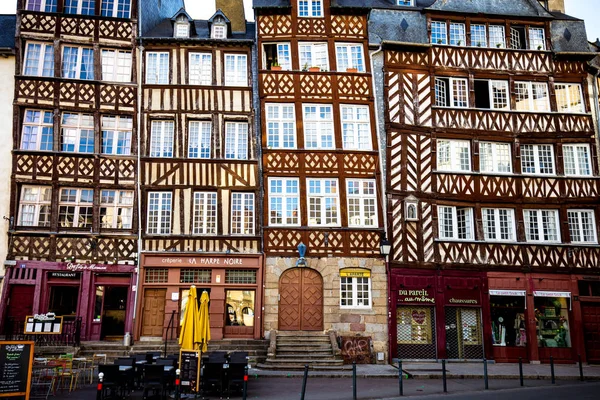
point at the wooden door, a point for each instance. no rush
(591, 331)
(153, 313)
(301, 300)
(20, 304)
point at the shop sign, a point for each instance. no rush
(64, 274)
(86, 267)
(202, 261)
(355, 273)
(463, 301)
(542, 293)
(415, 296)
(516, 293)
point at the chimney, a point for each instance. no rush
(556, 5)
(234, 10)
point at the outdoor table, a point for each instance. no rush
(141, 362)
(169, 368)
(125, 368)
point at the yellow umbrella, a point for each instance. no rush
(189, 327)
(204, 323)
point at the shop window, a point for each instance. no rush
(355, 292)
(183, 301)
(414, 325)
(192, 275)
(63, 300)
(589, 288)
(240, 276)
(98, 303)
(508, 320)
(463, 333)
(552, 316)
(240, 307)
(156, 275)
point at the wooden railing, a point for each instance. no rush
(207, 244)
(294, 161)
(192, 99)
(492, 59)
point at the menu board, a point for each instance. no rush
(16, 360)
(189, 366)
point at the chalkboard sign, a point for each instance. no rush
(16, 361)
(189, 366)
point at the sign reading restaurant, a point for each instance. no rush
(208, 261)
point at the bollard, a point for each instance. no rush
(521, 370)
(444, 376)
(245, 387)
(552, 370)
(177, 384)
(304, 382)
(99, 392)
(485, 374)
(580, 368)
(400, 377)
(354, 380)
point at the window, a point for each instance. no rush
(355, 292)
(240, 307)
(453, 155)
(349, 56)
(156, 275)
(77, 133)
(537, 159)
(39, 59)
(577, 159)
(116, 135)
(200, 69)
(83, 7)
(277, 54)
(497, 36)
(240, 276)
(281, 126)
(314, 55)
(495, 157)
(517, 37)
(193, 275)
(356, 128)
(161, 143)
(405, 2)
(439, 34)
(498, 224)
(491, 94)
(582, 226)
(236, 140)
(242, 213)
(362, 202)
(219, 31)
(35, 206)
(323, 202)
(451, 92)
(478, 35)
(236, 70)
(457, 34)
(199, 139)
(38, 130)
(78, 63)
(41, 5)
(75, 208)
(116, 209)
(116, 66)
(537, 39)
(157, 68)
(541, 225)
(310, 8)
(455, 223)
(182, 27)
(284, 198)
(116, 8)
(205, 213)
(532, 96)
(159, 213)
(318, 127)
(569, 97)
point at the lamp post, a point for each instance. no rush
(301, 253)
(385, 248)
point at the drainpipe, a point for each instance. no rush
(596, 106)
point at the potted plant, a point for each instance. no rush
(478, 44)
(305, 67)
(439, 41)
(459, 43)
(314, 69)
(351, 69)
(275, 66)
(498, 45)
(540, 47)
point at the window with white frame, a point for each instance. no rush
(491, 94)
(82, 7)
(236, 140)
(517, 37)
(284, 200)
(116, 65)
(362, 202)
(355, 292)
(582, 226)
(38, 130)
(455, 223)
(35, 206)
(537, 159)
(161, 138)
(349, 55)
(277, 54)
(314, 55)
(532, 96)
(200, 65)
(75, 208)
(541, 226)
(159, 213)
(318, 126)
(281, 126)
(451, 92)
(236, 70)
(39, 59)
(495, 157)
(405, 2)
(116, 8)
(199, 139)
(576, 158)
(499, 224)
(242, 213)
(116, 209)
(356, 128)
(439, 34)
(569, 97)
(157, 68)
(458, 36)
(77, 133)
(205, 213)
(497, 36)
(323, 202)
(182, 27)
(310, 8)
(116, 134)
(219, 30)
(78, 63)
(453, 155)
(478, 35)
(41, 5)
(537, 39)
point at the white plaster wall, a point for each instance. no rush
(7, 84)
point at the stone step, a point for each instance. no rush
(303, 351)
(300, 367)
(307, 356)
(303, 346)
(301, 333)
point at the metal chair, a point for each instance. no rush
(237, 369)
(112, 382)
(154, 380)
(213, 376)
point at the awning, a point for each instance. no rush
(495, 292)
(543, 293)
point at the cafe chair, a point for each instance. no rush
(213, 375)
(128, 376)
(154, 381)
(111, 384)
(236, 371)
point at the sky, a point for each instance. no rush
(199, 9)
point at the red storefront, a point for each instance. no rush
(102, 295)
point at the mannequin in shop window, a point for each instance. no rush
(521, 336)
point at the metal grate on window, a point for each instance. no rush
(240, 276)
(189, 275)
(156, 275)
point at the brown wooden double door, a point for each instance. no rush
(301, 300)
(591, 331)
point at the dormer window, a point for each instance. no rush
(182, 27)
(219, 29)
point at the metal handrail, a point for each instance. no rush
(171, 328)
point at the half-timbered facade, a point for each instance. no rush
(199, 174)
(321, 170)
(492, 179)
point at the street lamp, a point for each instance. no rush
(301, 253)
(385, 247)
